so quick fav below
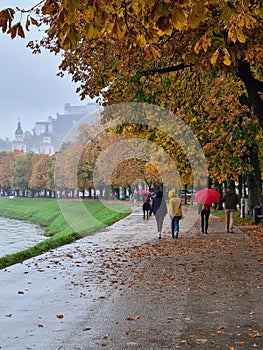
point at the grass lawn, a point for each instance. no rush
(64, 221)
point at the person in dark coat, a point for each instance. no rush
(159, 209)
(231, 200)
(146, 207)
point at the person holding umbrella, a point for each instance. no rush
(146, 207)
(204, 210)
(205, 198)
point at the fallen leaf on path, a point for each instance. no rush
(255, 334)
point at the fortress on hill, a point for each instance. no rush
(47, 136)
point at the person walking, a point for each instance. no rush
(146, 207)
(159, 209)
(175, 211)
(231, 201)
(204, 210)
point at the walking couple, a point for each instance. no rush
(159, 209)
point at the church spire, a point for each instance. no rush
(19, 132)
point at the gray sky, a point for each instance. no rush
(29, 88)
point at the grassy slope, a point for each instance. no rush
(50, 213)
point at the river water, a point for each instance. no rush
(16, 235)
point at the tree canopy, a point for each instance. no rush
(200, 59)
(105, 42)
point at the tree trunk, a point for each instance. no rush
(254, 181)
(253, 87)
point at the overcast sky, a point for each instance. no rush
(30, 90)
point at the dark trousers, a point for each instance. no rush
(146, 213)
(204, 220)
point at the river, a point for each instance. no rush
(16, 235)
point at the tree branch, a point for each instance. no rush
(180, 66)
(31, 9)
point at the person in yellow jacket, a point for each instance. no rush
(175, 211)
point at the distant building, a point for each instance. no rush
(47, 136)
(18, 144)
(41, 127)
(47, 147)
(72, 115)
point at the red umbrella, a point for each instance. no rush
(144, 192)
(207, 196)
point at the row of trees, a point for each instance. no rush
(105, 159)
(74, 169)
(26, 173)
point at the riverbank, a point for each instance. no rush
(63, 221)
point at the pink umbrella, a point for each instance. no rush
(207, 196)
(144, 192)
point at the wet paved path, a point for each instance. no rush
(125, 289)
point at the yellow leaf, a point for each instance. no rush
(89, 29)
(232, 34)
(214, 57)
(250, 21)
(197, 47)
(135, 7)
(119, 29)
(142, 40)
(178, 18)
(227, 60)
(197, 15)
(206, 42)
(241, 36)
(89, 14)
(241, 22)
(70, 39)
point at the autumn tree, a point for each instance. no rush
(22, 172)
(7, 163)
(41, 179)
(66, 168)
